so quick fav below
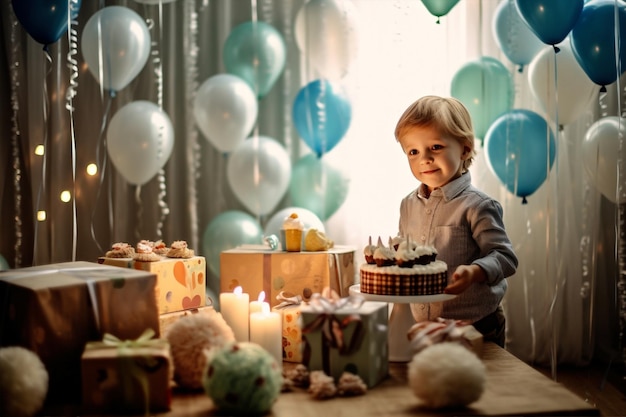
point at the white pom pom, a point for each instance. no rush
(23, 382)
(446, 375)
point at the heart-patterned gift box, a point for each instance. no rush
(181, 283)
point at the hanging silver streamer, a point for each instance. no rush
(15, 144)
(72, 64)
(191, 82)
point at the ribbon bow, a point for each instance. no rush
(287, 301)
(329, 301)
(427, 333)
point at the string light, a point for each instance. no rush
(92, 169)
(41, 215)
(66, 196)
(39, 150)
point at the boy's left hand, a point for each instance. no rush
(463, 277)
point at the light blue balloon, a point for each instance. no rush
(439, 7)
(318, 186)
(4, 265)
(485, 86)
(593, 40)
(226, 231)
(256, 52)
(513, 36)
(322, 115)
(518, 153)
(550, 20)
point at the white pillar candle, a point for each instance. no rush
(235, 310)
(257, 306)
(266, 328)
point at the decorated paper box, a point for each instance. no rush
(300, 273)
(289, 309)
(128, 377)
(348, 339)
(54, 310)
(167, 319)
(181, 283)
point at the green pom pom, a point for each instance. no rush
(242, 378)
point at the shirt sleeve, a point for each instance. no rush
(497, 257)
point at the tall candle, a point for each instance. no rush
(257, 306)
(266, 328)
(234, 308)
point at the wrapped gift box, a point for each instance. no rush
(126, 377)
(348, 339)
(55, 309)
(167, 319)
(289, 309)
(257, 270)
(181, 283)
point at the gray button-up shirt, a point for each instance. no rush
(465, 226)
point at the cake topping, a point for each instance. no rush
(144, 253)
(120, 250)
(293, 222)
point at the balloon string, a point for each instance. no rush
(321, 117)
(139, 223)
(101, 158)
(15, 144)
(72, 64)
(287, 81)
(191, 82)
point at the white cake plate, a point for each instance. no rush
(401, 318)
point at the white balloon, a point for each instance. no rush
(258, 172)
(225, 110)
(574, 88)
(310, 220)
(140, 140)
(154, 1)
(514, 37)
(601, 156)
(326, 33)
(115, 45)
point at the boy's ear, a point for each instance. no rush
(466, 152)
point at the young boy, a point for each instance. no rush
(464, 224)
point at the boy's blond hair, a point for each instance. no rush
(446, 114)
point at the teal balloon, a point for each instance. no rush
(520, 147)
(439, 7)
(227, 231)
(256, 52)
(485, 86)
(318, 186)
(322, 114)
(4, 265)
(550, 20)
(593, 40)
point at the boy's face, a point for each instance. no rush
(434, 160)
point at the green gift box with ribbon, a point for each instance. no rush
(127, 376)
(346, 335)
(54, 310)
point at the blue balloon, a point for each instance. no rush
(593, 40)
(4, 265)
(551, 20)
(45, 20)
(322, 115)
(517, 151)
(227, 231)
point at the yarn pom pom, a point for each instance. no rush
(189, 337)
(23, 382)
(446, 375)
(242, 379)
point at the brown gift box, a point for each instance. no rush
(257, 270)
(53, 310)
(126, 376)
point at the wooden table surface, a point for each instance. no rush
(513, 388)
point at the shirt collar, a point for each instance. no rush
(450, 190)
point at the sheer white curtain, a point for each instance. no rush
(564, 236)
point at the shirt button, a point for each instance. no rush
(423, 238)
(428, 211)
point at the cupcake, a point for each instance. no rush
(160, 248)
(179, 249)
(383, 255)
(292, 228)
(120, 250)
(406, 255)
(396, 240)
(144, 253)
(368, 251)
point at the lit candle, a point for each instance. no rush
(266, 329)
(257, 306)
(234, 308)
